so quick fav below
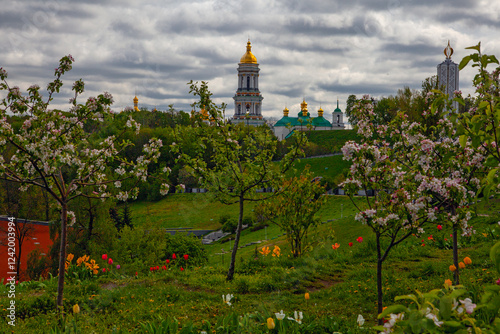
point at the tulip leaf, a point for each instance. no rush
(393, 309)
(495, 255)
(445, 306)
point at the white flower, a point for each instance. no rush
(360, 320)
(469, 306)
(433, 317)
(118, 184)
(227, 299)
(280, 316)
(297, 316)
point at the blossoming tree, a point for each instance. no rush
(53, 152)
(477, 132)
(419, 174)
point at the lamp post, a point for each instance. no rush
(247, 116)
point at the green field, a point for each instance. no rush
(329, 167)
(332, 140)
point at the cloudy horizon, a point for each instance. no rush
(319, 50)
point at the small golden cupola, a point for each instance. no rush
(248, 57)
(285, 112)
(136, 103)
(320, 112)
(303, 108)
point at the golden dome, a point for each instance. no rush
(285, 112)
(303, 108)
(248, 57)
(320, 112)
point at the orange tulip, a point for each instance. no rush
(448, 282)
(461, 265)
(306, 296)
(453, 268)
(335, 246)
(467, 260)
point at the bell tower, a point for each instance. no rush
(248, 100)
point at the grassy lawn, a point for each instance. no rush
(341, 282)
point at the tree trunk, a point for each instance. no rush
(62, 256)
(230, 273)
(379, 281)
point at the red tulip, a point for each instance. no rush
(110, 261)
(360, 239)
(164, 267)
(182, 269)
(168, 261)
(439, 227)
(186, 257)
(151, 269)
(136, 273)
(157, 267)
(104, 257)
(350, 244)
(174, 256)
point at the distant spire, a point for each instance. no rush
(448, 51)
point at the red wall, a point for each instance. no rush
(39, 238)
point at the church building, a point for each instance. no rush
(304, 122)
(248, 100)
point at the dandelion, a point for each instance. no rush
(453, 268)
(467, 261)
(280, 316)
(76, 309)
(270, 323)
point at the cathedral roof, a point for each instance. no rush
(248, 57)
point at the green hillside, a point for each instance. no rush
(328, 167)
(332, 140)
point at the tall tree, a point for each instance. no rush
(53, 152)
(239, 160)
(418, 175)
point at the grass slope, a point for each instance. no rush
(332, 140)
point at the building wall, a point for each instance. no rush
(39, 237)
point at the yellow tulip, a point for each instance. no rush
(76, 309)
(270, 323)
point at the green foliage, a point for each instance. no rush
(295, 208)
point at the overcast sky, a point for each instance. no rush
(318, 49)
